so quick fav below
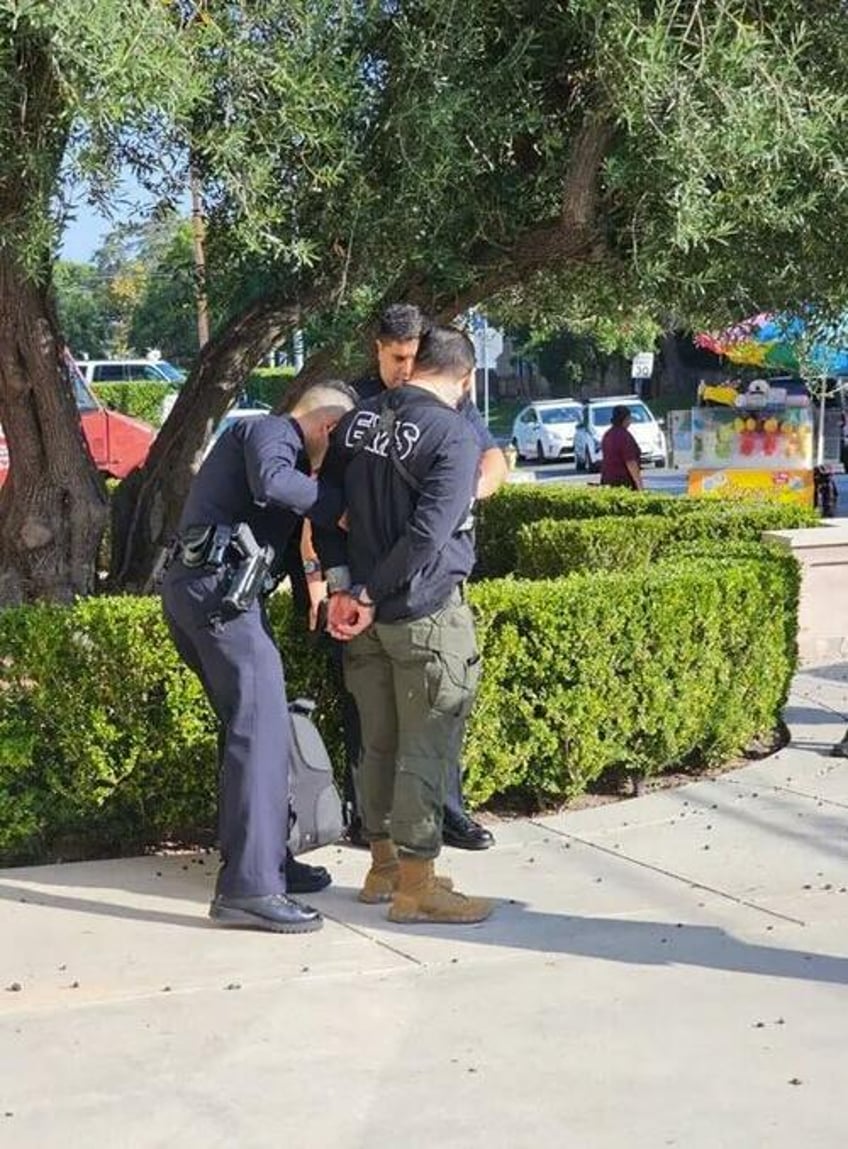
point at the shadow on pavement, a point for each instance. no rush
(102, 909)
(515, 927)
(837, 672)
(811, 716)
(637, 943)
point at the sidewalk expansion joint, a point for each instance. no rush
(371, 938)
(795, 792)
(690, 882)
(842, 715)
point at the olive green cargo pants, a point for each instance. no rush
(414, 685)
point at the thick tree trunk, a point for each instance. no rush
(146, 508)
(53, 504)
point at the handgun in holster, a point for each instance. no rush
(251, 576)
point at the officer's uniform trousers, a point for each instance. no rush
(414, 683)
(240, 668)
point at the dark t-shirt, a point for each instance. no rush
(371, 386)
(618, 448)
(407, 543)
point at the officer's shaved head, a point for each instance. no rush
(317, 410)
(330, 393)
(445, 352)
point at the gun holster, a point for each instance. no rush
(251, 576)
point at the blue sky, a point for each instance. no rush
(83, 235)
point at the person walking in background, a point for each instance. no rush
(620, 454)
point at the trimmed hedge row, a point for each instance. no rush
(269, 384)
(549, 548)
(142, 400)
(107, 744)
(106, 740)
(649, 670)
(498, 518)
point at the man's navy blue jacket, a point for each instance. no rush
(405, 546)
(255, 474)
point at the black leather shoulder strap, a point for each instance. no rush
(386, 424)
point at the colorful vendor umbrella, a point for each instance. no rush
(780, 342)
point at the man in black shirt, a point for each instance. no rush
(398, 336)
(247, 497)
(410, 467)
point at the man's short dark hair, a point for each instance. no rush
(620, 415)
(400, 323)
(445, 351)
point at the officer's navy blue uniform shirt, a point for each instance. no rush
(404, 546)
(372, 386)
(256, 474)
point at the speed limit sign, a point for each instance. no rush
(643, 365)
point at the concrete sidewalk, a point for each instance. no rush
(666, 971)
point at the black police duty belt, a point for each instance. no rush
(210, 546)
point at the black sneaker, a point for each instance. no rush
(275, 912)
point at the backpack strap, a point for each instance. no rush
(386, 424)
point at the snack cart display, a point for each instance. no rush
(762, 445)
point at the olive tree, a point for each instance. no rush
(74, 88)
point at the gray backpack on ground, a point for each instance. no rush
(315, 802)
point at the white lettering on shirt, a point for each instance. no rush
(406, 435)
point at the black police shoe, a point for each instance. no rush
(276, 912)
(304, 879)
(464, 833)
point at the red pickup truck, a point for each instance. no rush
(118, 444)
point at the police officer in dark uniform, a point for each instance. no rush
(410, 466)
(244, 502)
(400, 330)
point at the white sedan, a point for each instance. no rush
(545, 429)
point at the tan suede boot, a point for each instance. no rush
(420, 898)
(381, 881)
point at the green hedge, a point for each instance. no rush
(683, 664)
(269, 384)
(142, 400)
(549, 548)
(499, 517)
(106, 742)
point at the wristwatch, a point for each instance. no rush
(311, 566)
